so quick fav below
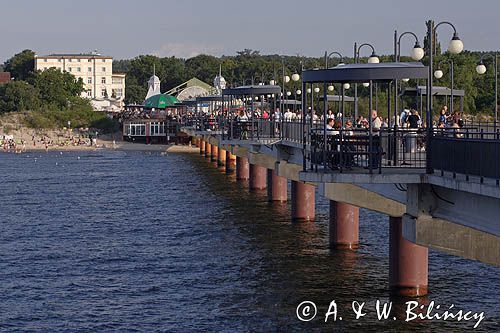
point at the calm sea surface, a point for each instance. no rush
(120, 241)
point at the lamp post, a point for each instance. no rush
(285, 79)
(439, 74)
(328, 56)
(295, 78)
(481, 69)
(456, 46)
(416, 53)
(373, 59)
(329, 88)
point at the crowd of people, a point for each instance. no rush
(9, 144)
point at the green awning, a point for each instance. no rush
(160, 101)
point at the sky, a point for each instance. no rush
(184, 28)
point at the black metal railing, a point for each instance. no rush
(467, 153)
(347, 149)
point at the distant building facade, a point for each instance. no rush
(4, 77)
(105, 88)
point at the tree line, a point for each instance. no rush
(249, 64)
(32, 90)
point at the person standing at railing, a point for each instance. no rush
(348, 128)
(288, 115)
(413, 120)
(330, 115)
(277, 121)
(265, 115)
(376, 122)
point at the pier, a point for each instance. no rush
(438, 189)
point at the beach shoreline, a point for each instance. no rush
(110, 145)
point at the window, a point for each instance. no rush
(104, 93)
(118, 92)
(135, 129)
(103, 80)
(45, 68)
(77, 60)
(103, 60)
(70, 69)
(89, 80)
(89, 93)
(104, 69)
(78, 69)
(59, 60)
(90, 60)
(89, 69)
(117, 80)
(45, 60)
(70, 60)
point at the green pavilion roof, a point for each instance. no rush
(160, 101)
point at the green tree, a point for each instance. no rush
(21, 65)
(56, 87)
(204, 67)
(19, 96)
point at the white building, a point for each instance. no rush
(102, 86)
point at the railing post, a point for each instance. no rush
(304, 166)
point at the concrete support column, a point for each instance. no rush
(408, 263)
(230, 161)
(214, 153)
(197, 142)
(208, 149)
(202, 147)
(258, 177)
(221, 157)
(242, 168)
(303, 201)
(344, 226)
(277, 187)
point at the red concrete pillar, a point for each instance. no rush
(344, 226)
(221, 157)
(303, 207)
(258, 177)
(242, 168)
(230, 161)
(408, 263)
(208, 149)
(277, 187)
(214, 152)
(202, 147)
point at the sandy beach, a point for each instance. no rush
(29, 140)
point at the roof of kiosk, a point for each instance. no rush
(384, 71)
(252, 90)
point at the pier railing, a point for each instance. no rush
(466, 152)
(356, 149)
(471, 150)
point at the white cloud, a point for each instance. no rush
(186, 50)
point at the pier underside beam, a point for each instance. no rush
(452, 238)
